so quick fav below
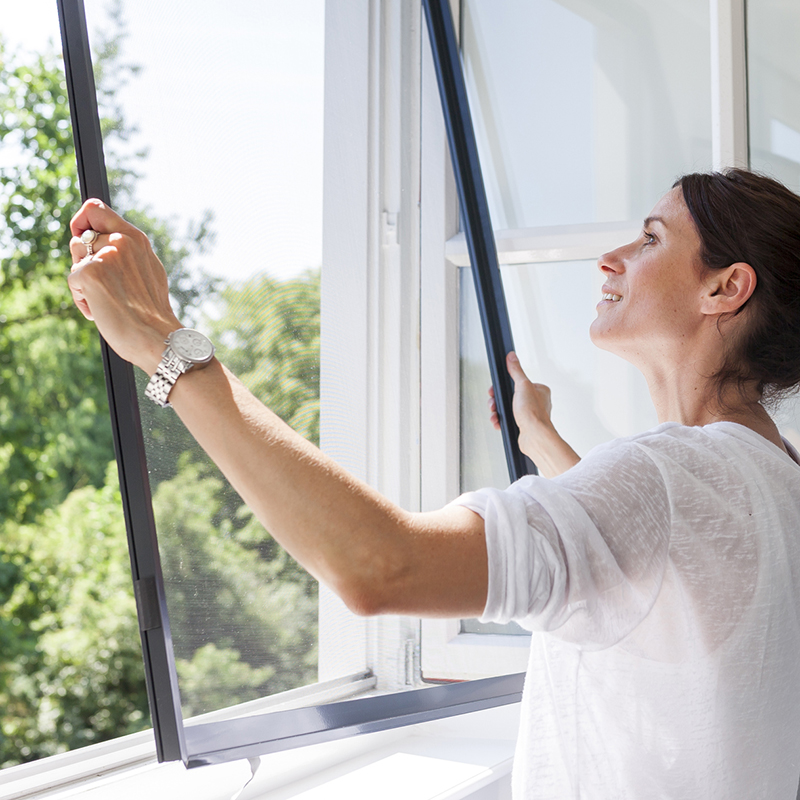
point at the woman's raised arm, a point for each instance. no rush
(376, 556)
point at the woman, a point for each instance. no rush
(662, 567)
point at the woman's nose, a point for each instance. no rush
(612, 261)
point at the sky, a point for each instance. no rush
(228, 106)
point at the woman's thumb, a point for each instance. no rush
(515, 368)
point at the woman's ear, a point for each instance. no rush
(728, 289)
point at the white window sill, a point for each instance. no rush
(464, 757)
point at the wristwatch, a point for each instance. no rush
(186, 349)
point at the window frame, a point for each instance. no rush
(219, 740)
(428, 476)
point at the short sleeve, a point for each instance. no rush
(582, 555)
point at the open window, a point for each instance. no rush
(234, 664)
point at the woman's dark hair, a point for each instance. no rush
(744, 216)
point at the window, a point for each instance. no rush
(225, 616)
(585, 115)
(773, 87)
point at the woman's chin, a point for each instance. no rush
(598, 334)
(604, 338)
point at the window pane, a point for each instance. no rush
(596, 396)
(220, 161)
(587, 111)
(773, 86)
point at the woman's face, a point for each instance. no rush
(652, 288)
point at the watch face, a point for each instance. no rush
(191, 346)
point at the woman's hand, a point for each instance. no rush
(122, 286)
(538, 438)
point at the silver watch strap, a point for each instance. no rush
(164, 378)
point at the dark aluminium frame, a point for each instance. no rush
(215, 742)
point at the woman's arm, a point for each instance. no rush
(538, 438)
(376, 556)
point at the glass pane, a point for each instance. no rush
(773, 91)
(214, 146)
(586, 111)
(596, 395)
(773, 88)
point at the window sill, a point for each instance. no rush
(464, 757)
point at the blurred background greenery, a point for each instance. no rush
(70, 658)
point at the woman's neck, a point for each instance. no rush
(696, 402)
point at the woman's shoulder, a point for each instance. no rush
(722, 449)
(669, 437)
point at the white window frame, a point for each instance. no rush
(370, 355)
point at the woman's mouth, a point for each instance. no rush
(614, 298)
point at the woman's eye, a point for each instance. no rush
(649, 238)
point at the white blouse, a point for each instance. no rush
(661, 579)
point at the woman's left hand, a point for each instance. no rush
(538, 438)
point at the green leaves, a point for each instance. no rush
(70, 660)
(38, 190)
(76, 674)
(243, 626)
(53, 409)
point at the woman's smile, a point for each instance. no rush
(609, 297)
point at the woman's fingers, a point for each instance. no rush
(94, 215)
(79, 299)
(531, 400)
(97, 216)
(79, 250)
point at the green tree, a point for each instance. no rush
(81, 679)
(53, 410)
(53, 405)
(227, 604)
(70, 664)
(242, 611)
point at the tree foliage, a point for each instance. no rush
(227, 603)
(76, 677)
(268, 335)
(70, 659)
(53, 409)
